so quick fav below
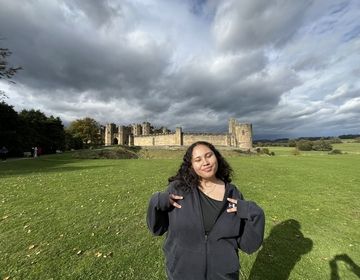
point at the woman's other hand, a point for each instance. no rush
(173, 198)
(232, 205)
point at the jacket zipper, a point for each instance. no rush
(206, 264)
(206, 235)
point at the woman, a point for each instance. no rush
(206, 218)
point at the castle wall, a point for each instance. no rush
(239, 135)
(155, 140)
(215, 139)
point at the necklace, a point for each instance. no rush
(207, 192)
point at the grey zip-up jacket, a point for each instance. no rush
(192, 255)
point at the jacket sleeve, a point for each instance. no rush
(157, 215)
(252, 225)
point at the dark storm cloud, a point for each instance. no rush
(63, 55)
(257, 23)
(282, 65)
(99, 12)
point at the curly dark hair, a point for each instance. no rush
(187, 175)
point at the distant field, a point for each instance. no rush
(350, 147)
(346, 147)
(66, 218)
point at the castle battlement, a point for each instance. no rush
(239, 136)
(205, 133)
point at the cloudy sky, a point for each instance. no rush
(289, 67)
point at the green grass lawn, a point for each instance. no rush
(66, 218)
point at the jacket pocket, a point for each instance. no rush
(170, 256)
(185, 264)
(225, 257)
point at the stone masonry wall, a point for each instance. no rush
(239, 135)
(155, 140)
(215, 139)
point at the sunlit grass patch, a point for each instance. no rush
(66, 218)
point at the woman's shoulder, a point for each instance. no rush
(232, 186)
(177, 187)
(175, 182)
(234, 189)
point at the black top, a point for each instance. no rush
(189, 253)
(210, 210)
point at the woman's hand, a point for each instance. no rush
(173, 198)
(232, 205)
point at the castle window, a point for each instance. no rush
(243, 132)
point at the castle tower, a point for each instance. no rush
(232, 124)
(121, 135)
(244, 135)
(131, 140)
(232, 132)
(109, 134)
(178, 136)
(136, 129)
(145, 128)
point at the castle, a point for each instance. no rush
(239, 136)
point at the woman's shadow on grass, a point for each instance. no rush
(352, 266)
(280, 252)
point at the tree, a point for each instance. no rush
(72, 142)
(8, 128)
(6, 72)
(304, 145)
(87, 129)
(292, 143)
(39, 130)
(322, 145)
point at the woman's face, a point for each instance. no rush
(204, 162)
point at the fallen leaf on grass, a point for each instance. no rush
(32, 246)
(98, 254)
(79, 252)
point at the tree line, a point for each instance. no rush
(309, 144)
(21, 132)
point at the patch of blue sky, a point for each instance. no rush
(197, 6)
(201, 9)
(336, 19)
